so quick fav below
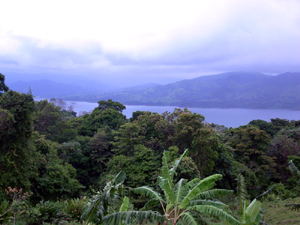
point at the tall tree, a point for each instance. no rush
(3, 87)
(17, 152)
(250, 146)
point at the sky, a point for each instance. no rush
(135, 42)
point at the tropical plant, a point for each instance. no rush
(249, 214)
(102, 202)
(74, 208)
(293, 168)
(183, 203)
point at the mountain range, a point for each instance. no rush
(226, 90)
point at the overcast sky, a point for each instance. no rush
(147, 41)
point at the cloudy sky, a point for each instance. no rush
(143, 41)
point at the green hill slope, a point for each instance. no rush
(227, 90)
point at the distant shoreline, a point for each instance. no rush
(176, 106)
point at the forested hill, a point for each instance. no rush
(227, 90)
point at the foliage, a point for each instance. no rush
(3, 87)
(227, 90)
(140, 169)
(282, 147)
(74, 208)
(250, 214)
(107, 114)
(9, 209)
(264, 125)
(57, 179)
(17, 152)
(110, 104)
(48, 120)
(103, 202)
(180, 201)
(250, 148)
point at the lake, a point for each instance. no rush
(226, 117)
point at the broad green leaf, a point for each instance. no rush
(203, 185)
(152, 203)
(214, 193)
(168, 207)
(191, 183)
(173, 169)
(214, 211)
(217, 204)
(135, 217)
(180, 191)
(241, 191)
(119, 178)
(165, 168)
(188, 219)
(125, 205)
(166, 187)
(253, 210)
(148, 191)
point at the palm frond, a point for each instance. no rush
(180, 191)
(147, 191)
(216, 212)
(96, 208)
(267, 191)
(189, 219)
(99, 205)
(192, 183)
(217, 204)
(253, 210)
(293, 168)
(173, 169)
(202, 185)
(125, 204)
(214, 193)
(165, 173)
(241, 191)
(258, 218)
(152, 203)
(167, 189)
(129, 217)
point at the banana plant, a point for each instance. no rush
(250, 214)
(102, 203)
(293, 168)
(181, 203)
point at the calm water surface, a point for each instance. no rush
(227, 117)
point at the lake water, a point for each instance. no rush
(227, 117)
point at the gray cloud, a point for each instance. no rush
(253, 38)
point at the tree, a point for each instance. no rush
(101, 117)
(48, 120)
(264, 125)
(183, 202)
(3, 87)
(281, 147)
(140, 169)
(250, 146)
(17, 152)
(109, 104)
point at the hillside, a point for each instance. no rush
(227, 90)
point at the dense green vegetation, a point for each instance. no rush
(56, 167)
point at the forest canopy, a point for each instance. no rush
(50, 153)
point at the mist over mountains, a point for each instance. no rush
(227, 90)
